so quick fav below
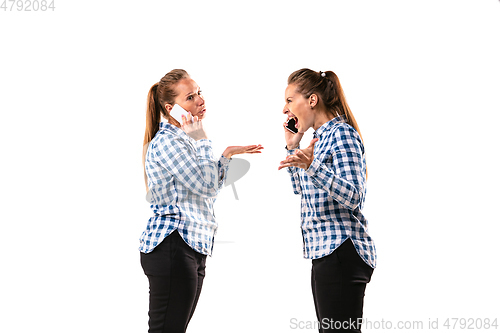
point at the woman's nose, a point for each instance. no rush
(201, 101)
(285, 109)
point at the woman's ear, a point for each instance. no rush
(313, 100)
(168, 107)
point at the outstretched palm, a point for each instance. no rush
(235, 150)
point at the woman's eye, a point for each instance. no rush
(190, 97)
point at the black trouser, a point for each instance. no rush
(338, 285)
(175, 272)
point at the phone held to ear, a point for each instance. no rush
(290, 125)
(177, 112)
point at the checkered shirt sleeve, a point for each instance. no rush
(332, 193)
(184, 180)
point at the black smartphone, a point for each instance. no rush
(290, 125)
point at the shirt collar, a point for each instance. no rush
(175, 130)
(168, 126)
(328, 125)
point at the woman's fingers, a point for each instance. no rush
(252, 149)
(236, 150)
(284, 164)
(300, 154)
(299, 159)
(257, 149)
(292, 159)
(290, 164)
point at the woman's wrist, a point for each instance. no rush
(226, 154)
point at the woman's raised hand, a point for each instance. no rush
(235, 150)
(302, 158)
(193, 127)
(292, 140)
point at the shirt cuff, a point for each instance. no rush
(291, 151)
(224, 160)
(313, 167)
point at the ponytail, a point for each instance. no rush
(153, 118)
(153, 114)
(340, 103)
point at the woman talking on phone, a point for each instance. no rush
(183, 180)
(330, 176)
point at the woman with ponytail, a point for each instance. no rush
(183, 180)
(330, 175)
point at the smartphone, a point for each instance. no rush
(177, 112)
(290, 125)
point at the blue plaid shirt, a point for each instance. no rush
(333, 192)
(184, 180)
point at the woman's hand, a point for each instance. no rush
(302, 158)
(292, 139)
(235, 150)
(193, 127)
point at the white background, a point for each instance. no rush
(422, 79)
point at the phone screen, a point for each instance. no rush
(290, 125)
(177, 112)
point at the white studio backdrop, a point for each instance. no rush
(422, 79)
